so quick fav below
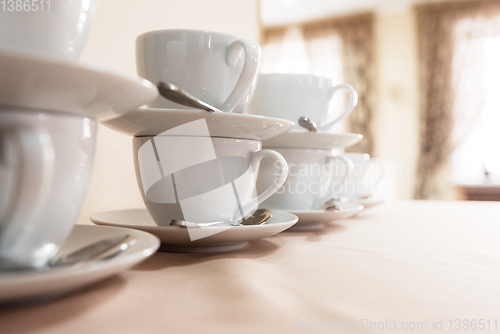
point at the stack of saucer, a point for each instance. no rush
(197, 170)
(49, 107)
(319, 172)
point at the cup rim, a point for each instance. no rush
(191, 31)
(278, 148)
(211, 137)
(297, 75)
(361, 155)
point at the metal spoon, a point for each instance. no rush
(308, 124)
(97, 251)
(178, 95)
(330, 205)
(259, 217)
(333, 208)
(183, 223)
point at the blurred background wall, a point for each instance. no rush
(396, 112)
(111, 45)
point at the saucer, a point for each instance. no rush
(43, 83)
(55, 282)
(370, 202)
(151, 122)
(311, 220)
(318, 140)
(176, 239)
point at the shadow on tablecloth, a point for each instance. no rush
(32, 317)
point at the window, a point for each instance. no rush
(476, 88)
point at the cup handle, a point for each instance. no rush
(250, 68)
(347, 176)
(353, 101)
(32, 163)
(380, 177)
(280, 180)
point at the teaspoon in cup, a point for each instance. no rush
(178, 95)
(308, 124)
(330, 205)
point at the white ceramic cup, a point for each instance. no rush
(291, 96)
(217, 68)
(360, 184)
(202, 179)
(45, 165)
(314, 177)
(53, 28)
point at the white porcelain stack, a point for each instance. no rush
(197, 166)
(319, 172)
(49, 107)
(206, 170)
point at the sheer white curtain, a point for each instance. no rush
(459, 52)
(476, 92)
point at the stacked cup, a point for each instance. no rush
(49, 107)
(194, 165)
(45, 156)
(319, 172)
(219, 69)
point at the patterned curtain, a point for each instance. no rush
(443, 120)
(340, 49)
(356, 34)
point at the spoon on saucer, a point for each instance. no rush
(259, 217)
(97, 251)
(308, 124)
(330, 205)
(178, 95)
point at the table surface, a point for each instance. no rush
(398, 266)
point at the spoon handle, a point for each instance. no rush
(259, 217)
(308, 124)
(99, 250)
(178, 95)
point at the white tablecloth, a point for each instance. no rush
(395, 268)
